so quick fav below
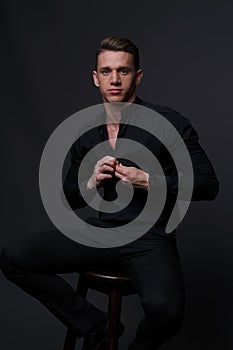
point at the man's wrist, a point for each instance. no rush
(147, 175)
(90, 185)
(152, 180)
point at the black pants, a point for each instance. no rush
(151, 261)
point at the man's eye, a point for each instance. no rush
(124, 71)
(105, 71)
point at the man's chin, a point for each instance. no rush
(117, 98)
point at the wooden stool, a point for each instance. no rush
(113, 283)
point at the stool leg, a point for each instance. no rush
(71, 336)
(114, 310)
(70, 340)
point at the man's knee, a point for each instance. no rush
(11, 261)
(163, 310)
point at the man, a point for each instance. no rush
(152, 260)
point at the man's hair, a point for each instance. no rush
(115, 43)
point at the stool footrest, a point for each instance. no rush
(114, 283)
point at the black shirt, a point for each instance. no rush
(205, 186)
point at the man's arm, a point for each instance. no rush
(70, 184)
(206, 185)
(104, 169)
(205, 182)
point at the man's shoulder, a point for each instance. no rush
(181, 123)
(171, 114)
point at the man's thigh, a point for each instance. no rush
(53, 252)
(154, 268)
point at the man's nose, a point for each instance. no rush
(115, 78)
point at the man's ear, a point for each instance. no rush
(139, 76)
(95, 78)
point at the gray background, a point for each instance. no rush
(47, 54)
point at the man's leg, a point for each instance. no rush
(32, 263)
(153, 266)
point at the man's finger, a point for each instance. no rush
(121, 169)
(108, 168)
(102, 176)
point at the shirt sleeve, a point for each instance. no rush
(71, 187)
(205, 182)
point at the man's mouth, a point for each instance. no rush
(115, 91)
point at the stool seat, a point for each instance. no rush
(115, 284)
(114, 276)
(104, 281)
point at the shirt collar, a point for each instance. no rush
(126, 112)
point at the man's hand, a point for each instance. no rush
(104, 169)
(138, 178)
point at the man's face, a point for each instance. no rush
(116, 76)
